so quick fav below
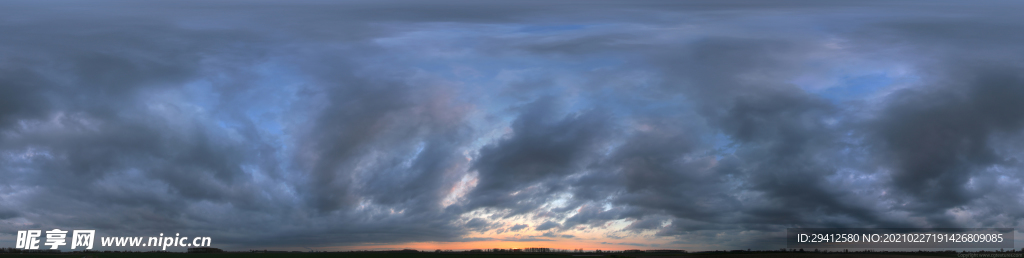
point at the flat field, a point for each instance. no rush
(476, 255)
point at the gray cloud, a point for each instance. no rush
(518, 227)
(547, 225)
(543, 148)
(340, 124)
(940, 138)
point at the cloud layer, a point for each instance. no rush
(696, 125)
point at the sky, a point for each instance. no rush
(449, 124)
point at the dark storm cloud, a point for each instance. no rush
(543, 148)
(101, 119)
(7, 214)
(20, 98)
(100, 142)
(364, 117)
(938, 139)
(789, 146)
(648, 223)
(780, 132)
(328, 124)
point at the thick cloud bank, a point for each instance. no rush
(691, 125)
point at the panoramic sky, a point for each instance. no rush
(369, 125)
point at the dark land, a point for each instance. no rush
(497, 255)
